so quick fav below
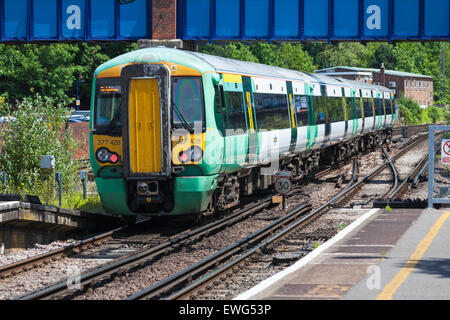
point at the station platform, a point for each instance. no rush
(23, 224)
(398, 255)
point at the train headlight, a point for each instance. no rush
(196, 154)
(103, 155)
(193, 154)
(183, 156)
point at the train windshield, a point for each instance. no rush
(107, 105)
(187, 102)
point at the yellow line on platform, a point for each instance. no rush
(390, 289)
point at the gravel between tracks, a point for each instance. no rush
(315, 192)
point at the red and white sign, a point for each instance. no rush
(445, 151)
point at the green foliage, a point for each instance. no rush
(351, 54)
(412, 114)
(52, 70)
(447, 117)
(384, 54)
(38, 129)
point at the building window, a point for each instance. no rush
(420, 84)
(415, 84)
(406, 84)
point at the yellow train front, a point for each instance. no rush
(148, 159)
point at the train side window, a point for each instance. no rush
(358, 102)
(376, 107)
(388, 107)
(335, 109)
(236, 111)
(319, 110)
(220, 108)
(301, 109)
(349, 107)
(272, 111)
(368, 108)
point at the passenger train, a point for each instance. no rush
(174, 132)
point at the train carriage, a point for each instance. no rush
(176, 132)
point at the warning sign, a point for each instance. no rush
(445, 151)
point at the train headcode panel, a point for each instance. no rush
(445, 151)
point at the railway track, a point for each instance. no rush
(96, 277)
(224, 273)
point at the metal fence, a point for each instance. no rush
(442, 182)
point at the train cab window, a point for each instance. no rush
(335, 109)
(271, 111)
(301, 109)
(236, 112)
(368, 107)
(319, 111)
(108, 99)
(187, 102)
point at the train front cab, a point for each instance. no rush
(140, 167)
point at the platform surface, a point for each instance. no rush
(404, 254)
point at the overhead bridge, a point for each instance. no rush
(214, 20)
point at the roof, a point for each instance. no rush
(207, 63)
(221, 64)
(389, 72)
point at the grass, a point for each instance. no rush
(92, 203)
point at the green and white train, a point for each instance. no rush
(176, 132)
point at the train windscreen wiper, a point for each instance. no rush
(114, 120)
(183, 120)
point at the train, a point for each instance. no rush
(174, 132)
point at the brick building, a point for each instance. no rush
(418, 87)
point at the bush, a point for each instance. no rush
(38, 129)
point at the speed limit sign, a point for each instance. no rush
(283, 182)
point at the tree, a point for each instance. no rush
(384, 54)
(351, 54)
(48, 70)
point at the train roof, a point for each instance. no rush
(209, 63)
(362, 85)
(222, 64)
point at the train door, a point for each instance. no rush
(383, 106)
(378, 110)
(348, 111)
(146, 125)
(236, 137)
(360, 111)
(293, 116)
(324, 97)
(252, 154)
(312, 125)
(301, 103)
